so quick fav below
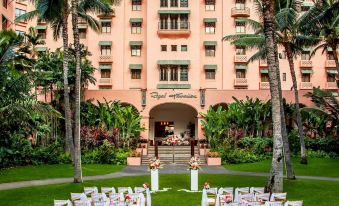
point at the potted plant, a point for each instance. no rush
(213, 159)
(154, 165)
(194, 166)
(203, 150)
(143, 143)
(134, 158)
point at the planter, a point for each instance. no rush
(155, 180)
(213, 161)
(134, 161)
(139, 150)
(194, 180)
(203, 151)
(144, 145)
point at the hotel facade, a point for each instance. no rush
(168, 60)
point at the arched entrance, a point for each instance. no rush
(173, 119)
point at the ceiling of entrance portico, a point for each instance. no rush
(173, 107)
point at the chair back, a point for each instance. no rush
(81, 203)
(253, 204)
(240, 191)
(78, 196)
(125, 190)
(108, 190)
(99, 203)
(273, 203)
(225, 195)
(114, 198)
(146, 195)
(90, 190)
(246, 197)
(257, 190)
(262, 197)
(62, 203)
(278, 197)
(294, 203)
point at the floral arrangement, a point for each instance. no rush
(128, 198)
(154, 163)
(175, 140)
(206, 186)
(228, 198)
(194, 163)
(145, 185)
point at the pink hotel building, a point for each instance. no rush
(166, 58)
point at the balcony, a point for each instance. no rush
(330, 64)
(105, 81)
(306, 85)
(263, 63)
(240, 12)
(174, 28)
(264, 85)
(240, 59)
(331, 85)
(105, 58)
(240, 82)
(306, 63)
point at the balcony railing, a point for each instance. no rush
(240, 82)
(240, 12)
(240, 58)
(174, 27)
(105, 81)
(330, 63)
(264, 85)
(331, 85)
(306, 85)
(105, 58)
(263, 63)
(306, 63)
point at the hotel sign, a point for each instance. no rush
(178, 95)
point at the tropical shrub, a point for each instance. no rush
(258, 145)
(213, 154)
(92, 137)
(236, 156)
(321, 154)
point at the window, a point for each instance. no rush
(163, 3)
(105, 87)
(82, 33)
(306, 78)
(210, 27)
(163, 73)
(330, 77)
(136, 5)
(136, 50)
(174, 73)
(240, 50)
(305, 55)
(19, 33)
(210, 74)
(330, 55)
(4, 3)
(174, 3)
(284, 77)
(184, 48)
(163, 48)
(184, 73)
(183, 3)
(105, 50)
(42, 33)
(19, 12)
(4, 22)
(240, 73)
(210, 5)
(174, 47)
(136, 27)
(210, 51)
(105, 73)
(240, 27)
(106, 27)
(240, 4)
(135, 74)
(264, 78)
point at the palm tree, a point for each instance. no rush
(275, 182)
(323, 20)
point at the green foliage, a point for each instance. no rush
(237, 155)
(321, 154)
(257, 145)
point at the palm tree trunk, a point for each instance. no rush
(335, 54)
(68, 117)
(296, 96)
(275, 181)
(77, 148)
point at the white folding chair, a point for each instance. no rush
(211, 196)
(278, 197)
(125, 190)
(240, 191)
(272, 203)
(257, 190)
(245, 198)
(262, 197)
(225, 194)
(108, 190)
(146, 195)
(90, 190)
(253, 204)
(294, 203)
(62, 203)
(80, 197)
(100, 203)
(114, 199)
(82, 203)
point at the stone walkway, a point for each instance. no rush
(142, 170)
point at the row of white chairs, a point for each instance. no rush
(123, 196)
(252, 196)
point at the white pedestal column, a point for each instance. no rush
(155, 180)
(194, 180)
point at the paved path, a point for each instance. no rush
(142, 170)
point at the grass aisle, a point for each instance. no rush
(315, 167)
(314, 193)
(53, 171)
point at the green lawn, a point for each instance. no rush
(315, 167)
(314, 193)
(53, 171)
